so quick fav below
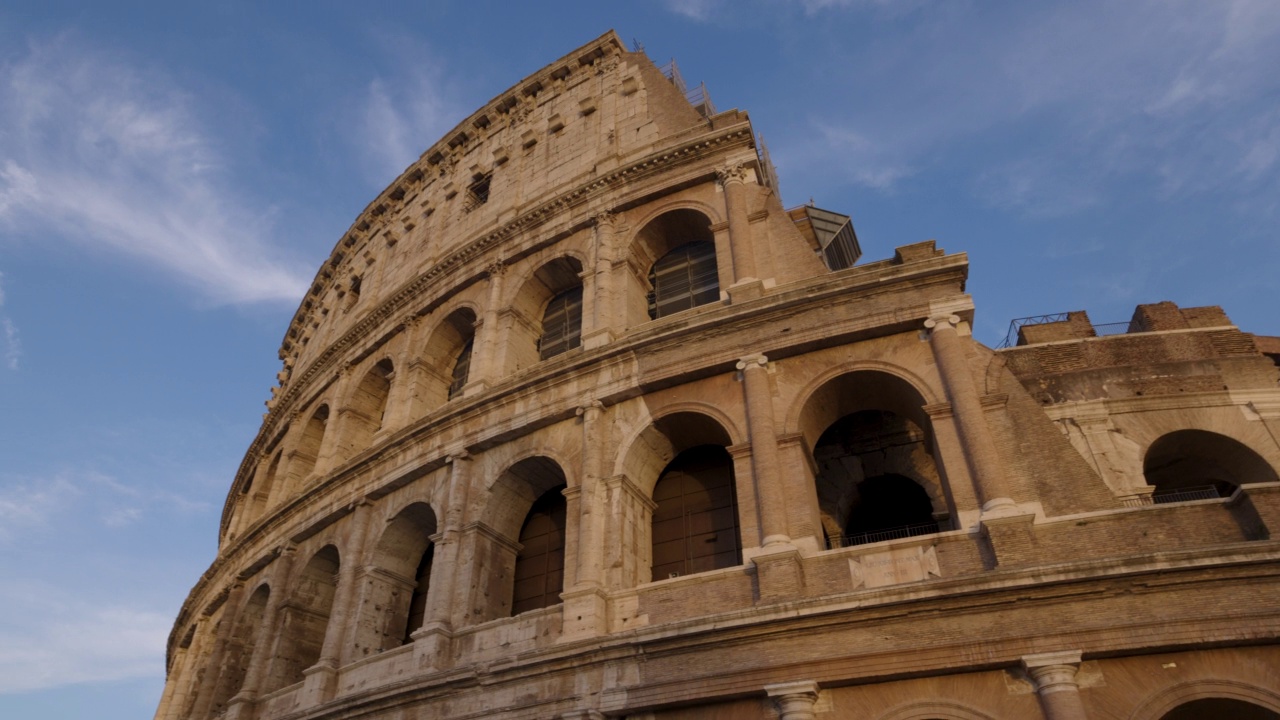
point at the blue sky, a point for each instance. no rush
(171, 176)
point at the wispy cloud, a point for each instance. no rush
(395, 126)
(113, 156)
(699, 10)
(53, 638)
(1054, 110)
(12, 345)
(34, 503)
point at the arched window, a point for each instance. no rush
(418, 601)
(695, 521)
(235, 663)
(307, 452)
(368, 407)
(306, 617)
(395, 599)
(461, 369)
(1197, 464)
(561, 324)
(684, 278)
(539, 570)
(1219, 708)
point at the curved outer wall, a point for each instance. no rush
(389, 547)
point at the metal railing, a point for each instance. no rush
(881, 535)
(1207, 492)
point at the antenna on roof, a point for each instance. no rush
(636, 46)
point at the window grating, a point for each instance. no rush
(684, 278)
(561, 324)
(539, 572)
(460, 370)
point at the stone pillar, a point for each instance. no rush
(332, 452)
(213, 672)
(795, 700)
(733, 179)
(241, 707)
(770, 498)
(1055, 677)
(984, 461)
(322, 678)
(599, 289)
(433, 642)
(488, 351)
(585, 602)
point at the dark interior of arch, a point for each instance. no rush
(867, 465)
(1190, 459)
(1220, 709)
(695, 521)
(539, 573)
(684, 278)
(561, 324)
(418, 600)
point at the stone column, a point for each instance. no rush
(213, 672)
(432, 642)
(488, 349)
(1055, 677)
(975, 436)
(795, 700)
(585, 602)
(322, 678)
(241, 706)
(733, 179)
(599, 317)
(770, 498)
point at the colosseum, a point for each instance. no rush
(578, 421)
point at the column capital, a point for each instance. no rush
(604, 219)
(453, 457)
(752, 361)
(1053, 672)
(495, 268)
(736, 173)
(586, 408)
(795, 700)
(942, 320)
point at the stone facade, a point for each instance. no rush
(501, 477)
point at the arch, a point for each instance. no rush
(447, 357)
(872, 447)
(935, 710)
(1159, 705)
(367, 406)
(674, 266)
(386, 616)
(1193, 464)
(666, 436)
(547, 313)
(538, 578)
(907, 392)
(235, 662)
(304, 619)
(695, 515)
(303, 458)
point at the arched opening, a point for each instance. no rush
(304, 456)
(448, 358)
(676, 253)
(679, 511)
(1218, 709)
(518, 559)
(561, 324)
(546, 316)
(368, 406)
(1198, 465)
(304, 620)
(265, 488)
(874, 470)
(695, 518)
(395, 598)
(235, 663)
(539, 570)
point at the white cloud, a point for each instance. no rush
(404, 115)
(114, 157)
(699, 10)
(52, 638)
(33, 503)
(12, 344)
(28, 504)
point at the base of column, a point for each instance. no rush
(746, 289)
(597, 338)
(585, 613)
(319, 684)
(1000, 507)
(433, 646)
(779, 574)
(241, 707)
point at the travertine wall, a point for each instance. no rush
(1056, 578)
